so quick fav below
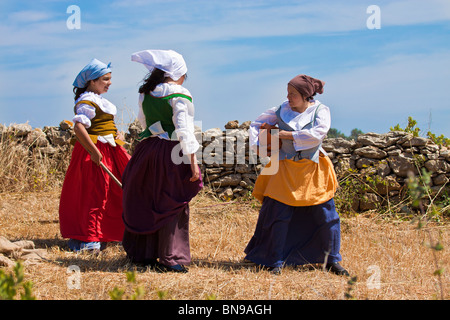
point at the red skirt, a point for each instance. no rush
(91, 202)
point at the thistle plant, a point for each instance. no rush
(119, 293)
(419, 188)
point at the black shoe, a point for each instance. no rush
(176, 268)
(336, 268)
(151, 263)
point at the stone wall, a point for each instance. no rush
(372, 171)
(379, 166)
(48, 141)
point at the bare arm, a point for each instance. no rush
(285, 135)
(194, 168)
(86, 142)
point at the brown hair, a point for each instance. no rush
(79, 91)
(156, 77)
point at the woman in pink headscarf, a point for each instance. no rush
(298, 223)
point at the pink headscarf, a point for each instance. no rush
(306, 85)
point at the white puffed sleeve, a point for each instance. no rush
(84, 114)
(312, 137)
(268, 117)
(183, 119)
(141, 116)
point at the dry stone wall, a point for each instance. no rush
(372, 170)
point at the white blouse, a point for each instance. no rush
(183, 116)
(84, 112)
(303, 138)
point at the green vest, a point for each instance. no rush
(159, 109)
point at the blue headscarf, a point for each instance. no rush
(95, 69)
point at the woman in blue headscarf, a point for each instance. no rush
(90, 211)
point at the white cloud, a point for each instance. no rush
(211, 21)
(385, 92)
(28, 16)
(414, 12)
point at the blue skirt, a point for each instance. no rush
(287, 235)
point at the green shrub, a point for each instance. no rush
(13, 283)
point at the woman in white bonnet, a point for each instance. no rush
(157, 188)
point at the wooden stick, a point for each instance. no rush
(111, 174)
(103, 166)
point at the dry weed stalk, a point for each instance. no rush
(419, 189)
(219, 234)
(24, 169)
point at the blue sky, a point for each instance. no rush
(240, 56)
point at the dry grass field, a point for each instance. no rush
(391, 259)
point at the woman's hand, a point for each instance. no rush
(86, 142)
(194, 168)
(120, 135)
(285, 135)
(96, 157)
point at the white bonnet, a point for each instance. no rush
(169, 61)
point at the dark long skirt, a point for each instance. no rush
(156, 195)
(170, 243)
(287, 235)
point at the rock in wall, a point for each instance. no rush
(372, 171)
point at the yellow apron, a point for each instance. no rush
(298, 183)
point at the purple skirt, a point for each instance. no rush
(170, 244)
(287, 235)
(156, 195)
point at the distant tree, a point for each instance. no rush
(355, 133)
(335, 133)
